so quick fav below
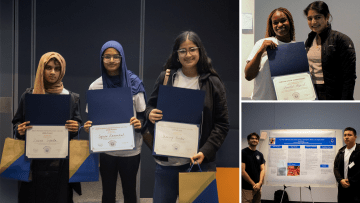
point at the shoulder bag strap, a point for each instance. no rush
(167, 74)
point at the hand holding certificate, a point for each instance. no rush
(110, 111)
(48, 137)
(289, 69)
(177, 134)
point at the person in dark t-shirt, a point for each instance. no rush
(252, 171)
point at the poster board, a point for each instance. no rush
(300, 157)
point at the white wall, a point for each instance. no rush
(247, 43)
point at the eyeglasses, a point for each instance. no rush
(192, 51)
(107, 58)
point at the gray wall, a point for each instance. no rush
(345, 19)
(8, 188)
(268, 116)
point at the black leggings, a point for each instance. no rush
(127, 168)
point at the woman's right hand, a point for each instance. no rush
(266, 44)
(252, 68)
(87, 126)
(22, 128)
(155, 115)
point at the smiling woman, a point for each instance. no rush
(115, 74)
(50, 177)
(331, 55)
(280, 30)
(190, 68)
(52, 71)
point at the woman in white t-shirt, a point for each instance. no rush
(280, 29)
(114, 74)
(191, 68)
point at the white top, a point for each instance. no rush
(315, 65)
(181, 81)
(347, 155)
(263, 85)
(139, 105)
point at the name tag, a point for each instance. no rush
(351, 165)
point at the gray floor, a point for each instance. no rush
(92, 191)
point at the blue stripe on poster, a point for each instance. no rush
(326, 147)
(305, 141)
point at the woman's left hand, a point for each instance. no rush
(136, 122)
(199, 158)
(72, 126)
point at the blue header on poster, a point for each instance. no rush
(305, 141)
(324, 166)
(293, 164)
(311, 147)
(294, 147)
(276, 146)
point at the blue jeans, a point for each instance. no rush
(166, 189)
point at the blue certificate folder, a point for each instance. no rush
(47, 109)
(180, 105)
(110, 105)
(287, 59)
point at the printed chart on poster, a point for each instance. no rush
(300, 157)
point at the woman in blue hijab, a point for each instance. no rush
(114, 73)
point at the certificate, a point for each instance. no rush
(294, 87)
(111, 137)
(47, 142)
(176, 139)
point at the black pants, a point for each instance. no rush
(320, 91)
(347, 195)
(127, 167)
(50, 183)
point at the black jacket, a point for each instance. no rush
(50, 177)
(215, 124)
(338, 60)
(353, 173)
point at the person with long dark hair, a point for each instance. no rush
(280, 30)
(191, 68)
(50, 177)
(331, 55)
(114, 74)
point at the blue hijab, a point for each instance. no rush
(127, 78)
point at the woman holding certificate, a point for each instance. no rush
(331, 56)
(114, 73)
(190, 68)
(280, 30)
(50, 177)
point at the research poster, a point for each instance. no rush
(301, 158)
